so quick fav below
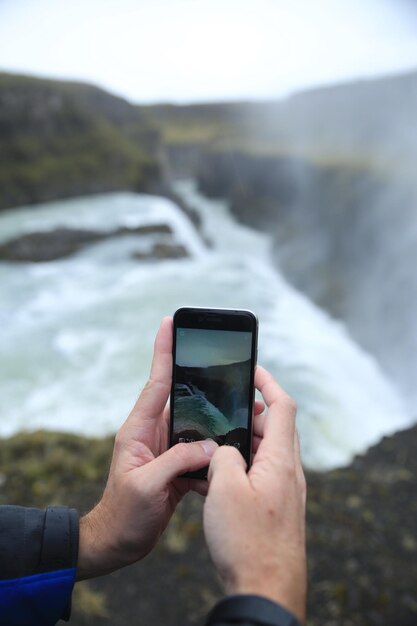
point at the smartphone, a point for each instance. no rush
(212, 394)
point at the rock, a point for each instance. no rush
(362, 536)
(47, 246)
(44, 246)
(146, 229)
(162, 251)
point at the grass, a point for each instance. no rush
(63, 139)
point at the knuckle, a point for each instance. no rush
(229, 457)
(182, 450)
(288, 470)
(227, 451)
(148, 385)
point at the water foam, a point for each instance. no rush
(77, 334)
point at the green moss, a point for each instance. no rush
(41, 468)
(64, 139)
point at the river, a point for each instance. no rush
(76, 334)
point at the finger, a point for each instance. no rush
(199, 486)
(154, 396)
(297, 447)
(183, 485)
(161, 369)
(181, 458)
(227, 463)
(255, 444)
(279, 424)
(259, 425)
(259, 407)
(166, 415)
(298, 462)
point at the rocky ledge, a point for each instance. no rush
(44, 246)
(362, 537)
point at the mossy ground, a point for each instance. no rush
(362, 539)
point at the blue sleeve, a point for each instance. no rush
(38, 600)
(38, 559)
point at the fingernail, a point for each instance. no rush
(209, 446)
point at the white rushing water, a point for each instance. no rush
(76, 334)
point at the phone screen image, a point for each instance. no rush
(213, 387)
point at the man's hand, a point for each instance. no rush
(142, 489)
(255, 522)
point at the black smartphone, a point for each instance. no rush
(212, 395)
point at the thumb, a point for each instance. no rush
(181, 458)
(227, 463)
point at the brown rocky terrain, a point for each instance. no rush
(362, 537)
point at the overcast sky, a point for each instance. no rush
(204, 348)
(202, 50)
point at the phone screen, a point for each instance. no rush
(212, 391)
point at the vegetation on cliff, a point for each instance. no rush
(60, 139)
(363, 124)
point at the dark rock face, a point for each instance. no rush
(62, 242)
(47, 246)
(344, 235)
(263, 191)
(161, 251)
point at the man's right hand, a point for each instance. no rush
(254, 522)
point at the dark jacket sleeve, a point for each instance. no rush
(247, 610)
(38, 559)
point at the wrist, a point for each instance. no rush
(96, 555)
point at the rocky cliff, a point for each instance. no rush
(330, 174)
(61, 139)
